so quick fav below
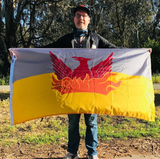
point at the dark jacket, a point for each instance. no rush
(67, 41)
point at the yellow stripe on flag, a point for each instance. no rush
(34, 97)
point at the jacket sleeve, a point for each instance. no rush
(103, 43)
(57, 44)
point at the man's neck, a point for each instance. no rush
(80, 33)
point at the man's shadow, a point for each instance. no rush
(4, 96)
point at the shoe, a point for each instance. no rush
(93, 157)
(71, 156)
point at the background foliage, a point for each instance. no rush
(33, 23)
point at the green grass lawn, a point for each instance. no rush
(54, 129)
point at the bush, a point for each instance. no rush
(4, 81)
(156, 77)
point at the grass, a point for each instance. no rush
(129, 129)
(54, 130)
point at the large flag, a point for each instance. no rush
(46, 82)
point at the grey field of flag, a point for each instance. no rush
(31, 62)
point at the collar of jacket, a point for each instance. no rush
(90, 40)
(80, 32)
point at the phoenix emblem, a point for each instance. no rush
(83, 79)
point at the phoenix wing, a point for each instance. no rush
(100, 69)
(61, 70)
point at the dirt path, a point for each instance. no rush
(119, 149)
(139, 157)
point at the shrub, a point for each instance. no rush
(4, 80)
(155, 56)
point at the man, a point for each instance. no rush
(82, 37)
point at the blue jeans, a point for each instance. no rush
(91, 139)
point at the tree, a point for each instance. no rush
(4, 62)
(126, 18)
(156, 19)
(33, 23)
(29, 23)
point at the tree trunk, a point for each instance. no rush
(9, 35)
(9, 22)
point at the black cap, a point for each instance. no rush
(82, 7)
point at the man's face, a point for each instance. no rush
(81, 20)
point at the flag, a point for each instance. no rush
(46, 82)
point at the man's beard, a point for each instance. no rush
(81, 25)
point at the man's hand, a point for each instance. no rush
(11, 53)
(150, 50)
